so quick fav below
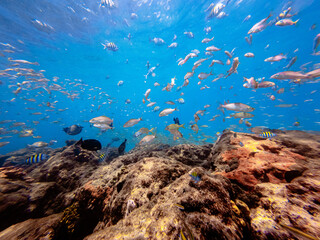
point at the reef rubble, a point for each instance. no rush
(241, 187)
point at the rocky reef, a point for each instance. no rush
(241, 187)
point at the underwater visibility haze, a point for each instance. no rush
(159, 119)
(84, 59)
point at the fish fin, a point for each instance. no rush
(155, 132)
(79, 142)
(221, 108)
(104, 45)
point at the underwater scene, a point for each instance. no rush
(159, 119)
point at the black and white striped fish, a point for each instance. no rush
(110, 46)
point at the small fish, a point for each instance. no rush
(147, 139)
(2, 144)
(266, 84)
(196, 117)
(173, 45)
(246, 18)
(143, 131)
(179, 206)
(292, 61)
(188, 75)
(146, 95)
(189, 34)
(174, 127)
(234, 67)
(285, 105)
(132, 122)
(241, 144)
(212, 49)
(156, 108)
(280, 91)
(151, 104)
(195, 128)
(316, 43)
(285, 13)
(249, 55)
(286, 22)
(207, 30)
(313, 26)
(176, 134)
(216, 61)
(167, 111)
(157, 41)
(194, 176)
(102, 157)
(249, 39)
(170, 103)
(289, 75)
(267, 135)
(181, 101)
(110, 46)
(242, 115)
(276, 58)
(36, 158)
(239, 107)
(206, 40)
(250, 83)
(296, 124)
(120, 83)
(203, 76)
(228, 54)
(260, 26)
(38, 144)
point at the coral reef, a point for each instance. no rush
(241, 187)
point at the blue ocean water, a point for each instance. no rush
(65, 38)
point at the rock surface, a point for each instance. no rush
(242, 187)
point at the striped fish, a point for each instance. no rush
(36, 158)
(267, 135)
(110, 46)
(102, 157)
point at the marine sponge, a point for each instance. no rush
(70, 217)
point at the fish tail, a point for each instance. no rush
(221, 108)
(182, 126)
(295, 23)
(104, 45)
